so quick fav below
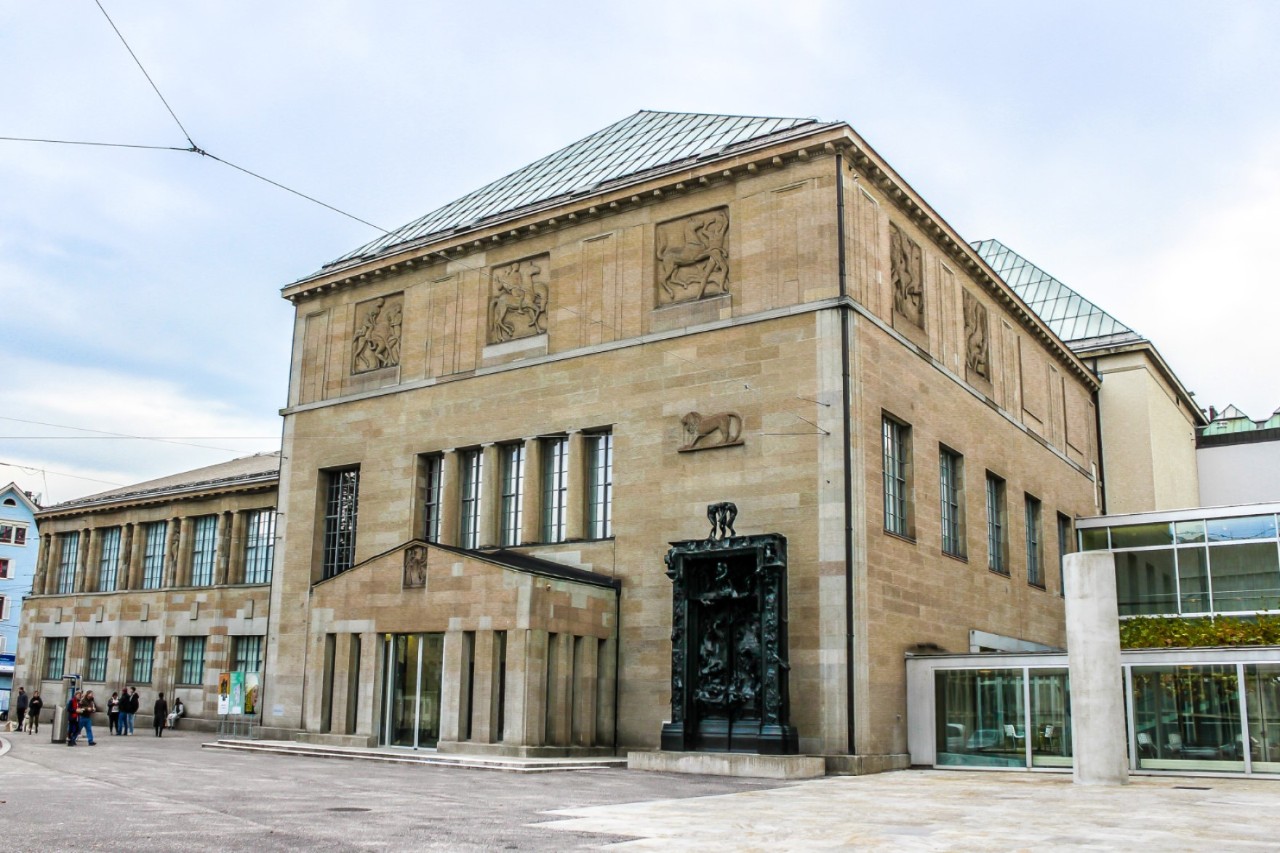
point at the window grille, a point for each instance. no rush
(600, 485)
(512, 493)
(259, 545)
(341, 509)
(555, 488)
(472, 462)
(203, 550)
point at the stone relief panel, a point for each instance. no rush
(415, 566)
(977, 347)
(518, 298)
(906, 263)
(692, 257)
(376, 342)
(703, 432)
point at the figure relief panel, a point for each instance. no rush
(906, 270)
(415, 566)
(376, 342)
(518, 299)
(692, 257)
(977, 346)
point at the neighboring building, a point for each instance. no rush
(19, 545)
(160, 585)
(1239, 459)
(493, 433)
(1190, 710)
(1147, 418)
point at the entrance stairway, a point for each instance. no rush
(509, 764)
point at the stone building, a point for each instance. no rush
(160, 585)
(501, 414)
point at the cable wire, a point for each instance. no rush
(97, 144)
(144, 73)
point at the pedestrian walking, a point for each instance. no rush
(33, 712)
(113, 713)
(128, 707)
(20, 705)
(160, 712)
(88, 707)
(73, 718)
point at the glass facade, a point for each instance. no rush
(1194, 567)
(203, 550)
(109, 563)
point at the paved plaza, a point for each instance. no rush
(143, 793)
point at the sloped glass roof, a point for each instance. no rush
(1071, 317)
(644, 141)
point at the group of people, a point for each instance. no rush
(28, 709)
(81, 706)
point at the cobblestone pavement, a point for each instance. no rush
(147, 794)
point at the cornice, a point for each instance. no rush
(194, 491)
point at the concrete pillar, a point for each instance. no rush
(186, 548)
(576, 494)
(450, 497)
(222, 557)
(51, 567)
(484, 688)
(560, 690)
(490, 495)
(531, 525)
(606, 682)
(367, 720)
(93, 561)
(1093, 655)
(525, 714)
(82, 561)
(584, 691)
(337, 684)
(132, 542)
(235, 549)
(453, 687)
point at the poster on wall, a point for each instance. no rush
(250, 693)
(224, 693)
(237, 693)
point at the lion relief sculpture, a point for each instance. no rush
(702, 432)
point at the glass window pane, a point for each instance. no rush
(1193, 580)
(1245, 577)
(1141, 535)
(1050, 718)
(1094, 539)
(1249, 527)
(1262, 687)
(1145, 582)
(980, 718)
(1189, 532)
(1187, 718)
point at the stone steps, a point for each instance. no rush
(508, 764)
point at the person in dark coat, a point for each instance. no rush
(161, 713)
(113, 713)
(33, 712)
(24, 701)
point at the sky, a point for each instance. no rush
(1127, 148)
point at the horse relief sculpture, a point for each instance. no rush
(693, 257)
(702, 432)
(976, 347)
(907, 271)
(518, 300)
(376, 343)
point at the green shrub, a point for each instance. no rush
(1156, 632)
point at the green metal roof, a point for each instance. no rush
(1231, 420)
(645, 142)
(1071, 317)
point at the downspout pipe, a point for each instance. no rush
(846, 453)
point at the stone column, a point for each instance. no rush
(606, 680)
(484, 688)
(1098, 739)
(454, 687)
(43, 583)
(525, 713)
(235, 548)
(128, 542)
(490, 495)
(337, 697)
(560, 690)
(584, 691)
(531, 526)
(186, 548)
(450, 497)
(367, 723)
(576, 493)
(92, 561)
(222, 556)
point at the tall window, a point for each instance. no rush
(340, 511)
(600, 485)
(1065, 541)
(246, 656)
(897, 467)
(432, 466)
(153, 556)
(109, 563)
(67, 562)
(512, 493)
(472, 462)
(951, 488)
(555, 488)
(96, 666)
(259, 545)
(997, 558)
(203, 550)
(144, 650)
(1035, 563)
(6, 568)
(191, 668)
(55, 657)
